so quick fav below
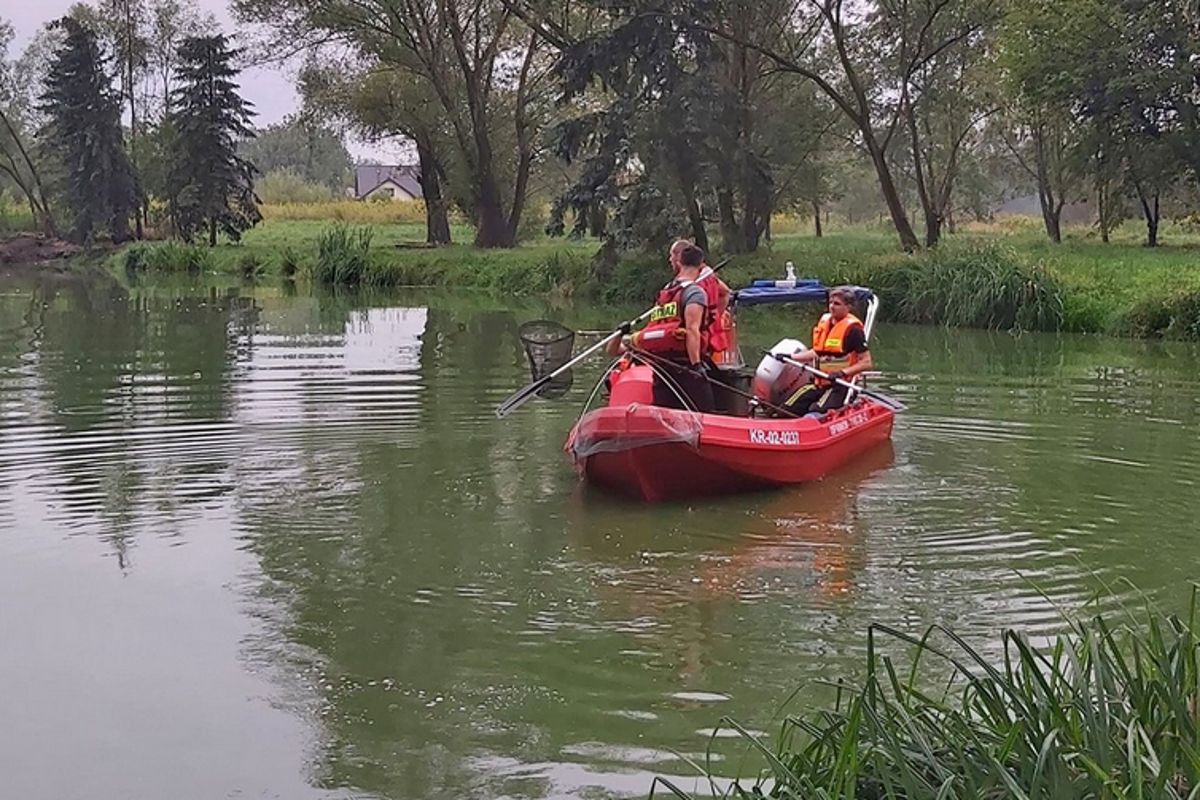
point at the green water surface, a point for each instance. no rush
(265, 542)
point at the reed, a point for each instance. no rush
(170, 256)
(1107, 709)
(343, 254)
(979, 285)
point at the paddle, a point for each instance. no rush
(888, 401)
(525, 393)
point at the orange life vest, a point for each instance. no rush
(828, 340)
(718, 336)
(666, 335)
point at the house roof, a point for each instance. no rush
(370, 176)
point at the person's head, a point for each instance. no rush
(841, 301)
(690, 257)
(673, 254)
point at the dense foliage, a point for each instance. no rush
(82, 138)
(640, 121)
(211, 186)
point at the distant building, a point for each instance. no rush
(400, 182)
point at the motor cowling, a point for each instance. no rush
(776, 381)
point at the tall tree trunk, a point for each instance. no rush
(1150, 212)
(1051, 206)
(597, 220)
(138, 209)
(933, 229)
(951, 226)
(757, 210)
(35, 192)
(491, 223)
(817, 219)
(696, 219)
(1052, 219)
(1102, 204)
(212, 232)
(933, 220)
(687, 185)
(731, 234)
(891, 196)
(524, 141)
(437, 218)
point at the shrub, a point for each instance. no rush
(249, 266)
(289, 262)
(976, 286)
(1176, 316)
(166, 257)
(288, 186)
(342, 255)
(15, 217)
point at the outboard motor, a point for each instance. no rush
(775, 381)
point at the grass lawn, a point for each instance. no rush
(1102, 286)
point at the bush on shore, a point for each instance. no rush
(170, 256)
(1012, 283)
(979, 286)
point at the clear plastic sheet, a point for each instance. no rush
(639, 426)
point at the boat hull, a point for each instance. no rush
(657, 454)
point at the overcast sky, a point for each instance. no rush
(270, 89)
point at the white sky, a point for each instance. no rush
(270, 89)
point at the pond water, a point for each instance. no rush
(261, 542)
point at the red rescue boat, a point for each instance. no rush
(655, 454)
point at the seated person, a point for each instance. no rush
(839, 348)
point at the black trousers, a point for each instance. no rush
(817, 400)
(695, 388)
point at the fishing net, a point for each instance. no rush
(548, 346)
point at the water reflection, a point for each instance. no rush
(339, 573)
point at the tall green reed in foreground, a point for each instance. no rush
(1108, 709)
(343, 254)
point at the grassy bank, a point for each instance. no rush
(1001, 276)
(1107, 710)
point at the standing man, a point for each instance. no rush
(676, 338)
(839, 348)
(717, 293)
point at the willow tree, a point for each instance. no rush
(381, 104)
(17, 164)
(476, 58)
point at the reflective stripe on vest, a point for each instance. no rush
(665, 335)
(828, 342)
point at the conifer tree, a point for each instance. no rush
(211, 187)
(83, 135)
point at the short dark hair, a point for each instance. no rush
(691, 256)
(844, 293)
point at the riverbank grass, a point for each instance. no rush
(1108, 709)
(983, 276)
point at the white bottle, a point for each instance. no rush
(790, 281)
